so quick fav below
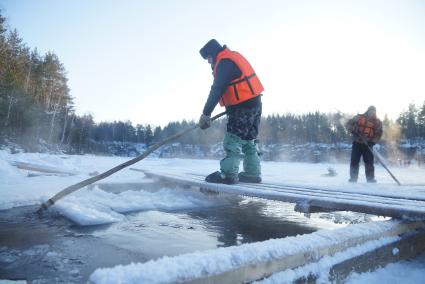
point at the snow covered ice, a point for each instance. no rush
(95, 206)
(16, 189)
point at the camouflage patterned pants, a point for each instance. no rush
(244, 122)
(239, 143)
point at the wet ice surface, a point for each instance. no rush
(53, 249)
(28, 246)
(204, 228)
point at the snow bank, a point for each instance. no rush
(93, 207)
(8, 173)
(17, 188)
(212, 262)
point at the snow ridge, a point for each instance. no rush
(212, 262)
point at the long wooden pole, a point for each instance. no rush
(91, 180)
(378, 158)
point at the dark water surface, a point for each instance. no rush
(53, 249)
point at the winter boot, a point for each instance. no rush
(247, 178)
(353, 180)
(371, 180)
(218, 177)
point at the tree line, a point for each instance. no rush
(34, 95)
(36, 108)
(412, 122)
(295, 129)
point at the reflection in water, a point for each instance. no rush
(63, 247)
(240, 220)
(253, 220)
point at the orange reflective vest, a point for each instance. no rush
(246, 87)
(366, 127)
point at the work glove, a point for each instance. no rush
(204, 121)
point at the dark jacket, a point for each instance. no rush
(226, 72)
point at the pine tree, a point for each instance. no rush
(140, 133)
(148, 134)
(408, 122)
(421, 121)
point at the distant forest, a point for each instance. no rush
(36, 109)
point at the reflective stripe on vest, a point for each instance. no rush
(246, 87)
(366, 126)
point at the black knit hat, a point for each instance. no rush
(371, 108)
(211, 48)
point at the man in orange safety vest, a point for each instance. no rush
(236, 87)
(367, 128)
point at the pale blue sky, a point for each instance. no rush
(139, 60)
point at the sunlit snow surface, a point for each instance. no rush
(16, 189)
(90, 206)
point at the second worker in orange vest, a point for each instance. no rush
(364, 128)
(236, 87)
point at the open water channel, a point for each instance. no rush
(54, 249)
